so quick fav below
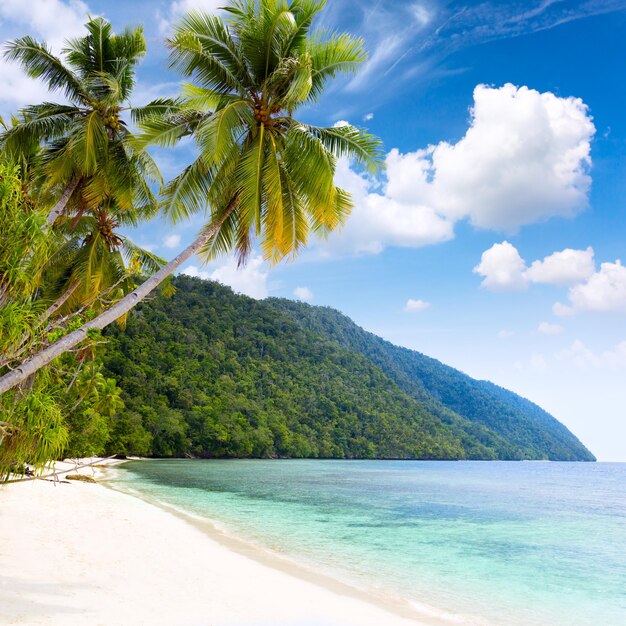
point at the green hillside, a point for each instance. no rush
(523, 426)
(211, 373)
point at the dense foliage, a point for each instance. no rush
(525, 430)
(66, 406)
(210, 373)
(260, 174)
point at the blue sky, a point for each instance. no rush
(493, 241)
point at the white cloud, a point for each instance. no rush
(341, 124)
(52, 21)
(171, 241)
(421, 14)
(562, 310)
(524, 159)
(545, 328)
(178, 8)
(584, 357)
(195, 272)
(617, 356)
(580, 355)
(250, 279)
(303, 293)
(506, 334)
(537, 363)
(379, 221)
(503, 268)
(383, 55)
(18, 89)
(147, 91)
(604, 291)
(414, 306)
(563, 268)
(368, 117)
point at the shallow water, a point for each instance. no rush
(488, 542)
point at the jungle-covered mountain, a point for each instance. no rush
(213, 374)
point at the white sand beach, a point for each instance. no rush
(80, 553)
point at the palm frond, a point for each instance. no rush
(148, 262)
(330, 56)
(156, 108)
(188, 55)
(249, 181)
(216, 41)
(42, 122)
(219, 133)
(188, 192)
(168, 129)
(352, 143)
(88, 142)
(38, 61)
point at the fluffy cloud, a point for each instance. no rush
(178, 8)
(503, 268)
(414, 306)
(250, 280)
(563, 268)
(562, 310)
(380, 220)
(171, 241)
(303, 293)
(524, 158)
(604, 291)
(545, 328)
(53, 21)
(368, 117)
(579, 354)
(583, 357)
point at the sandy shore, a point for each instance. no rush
(80, 553)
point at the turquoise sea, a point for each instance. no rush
(487, 543)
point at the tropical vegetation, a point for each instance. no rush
(260, 172)
(209, 373)
(261, 175)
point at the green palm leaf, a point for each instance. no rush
(38, 62)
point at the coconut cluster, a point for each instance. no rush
(261, 114)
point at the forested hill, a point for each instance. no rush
(524, 425)
(211, 373)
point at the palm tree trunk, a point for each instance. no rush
(59, 207)
(29, 367)
(53, 308)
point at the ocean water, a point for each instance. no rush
(487, 543)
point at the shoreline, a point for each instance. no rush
(77, 553)
(282, 562)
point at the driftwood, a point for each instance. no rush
(56, 473)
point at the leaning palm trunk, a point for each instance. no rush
(59, 207)
(53, 308)
(32, 365)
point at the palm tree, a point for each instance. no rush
(95, 262)
(260, 172)
(87, 158)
